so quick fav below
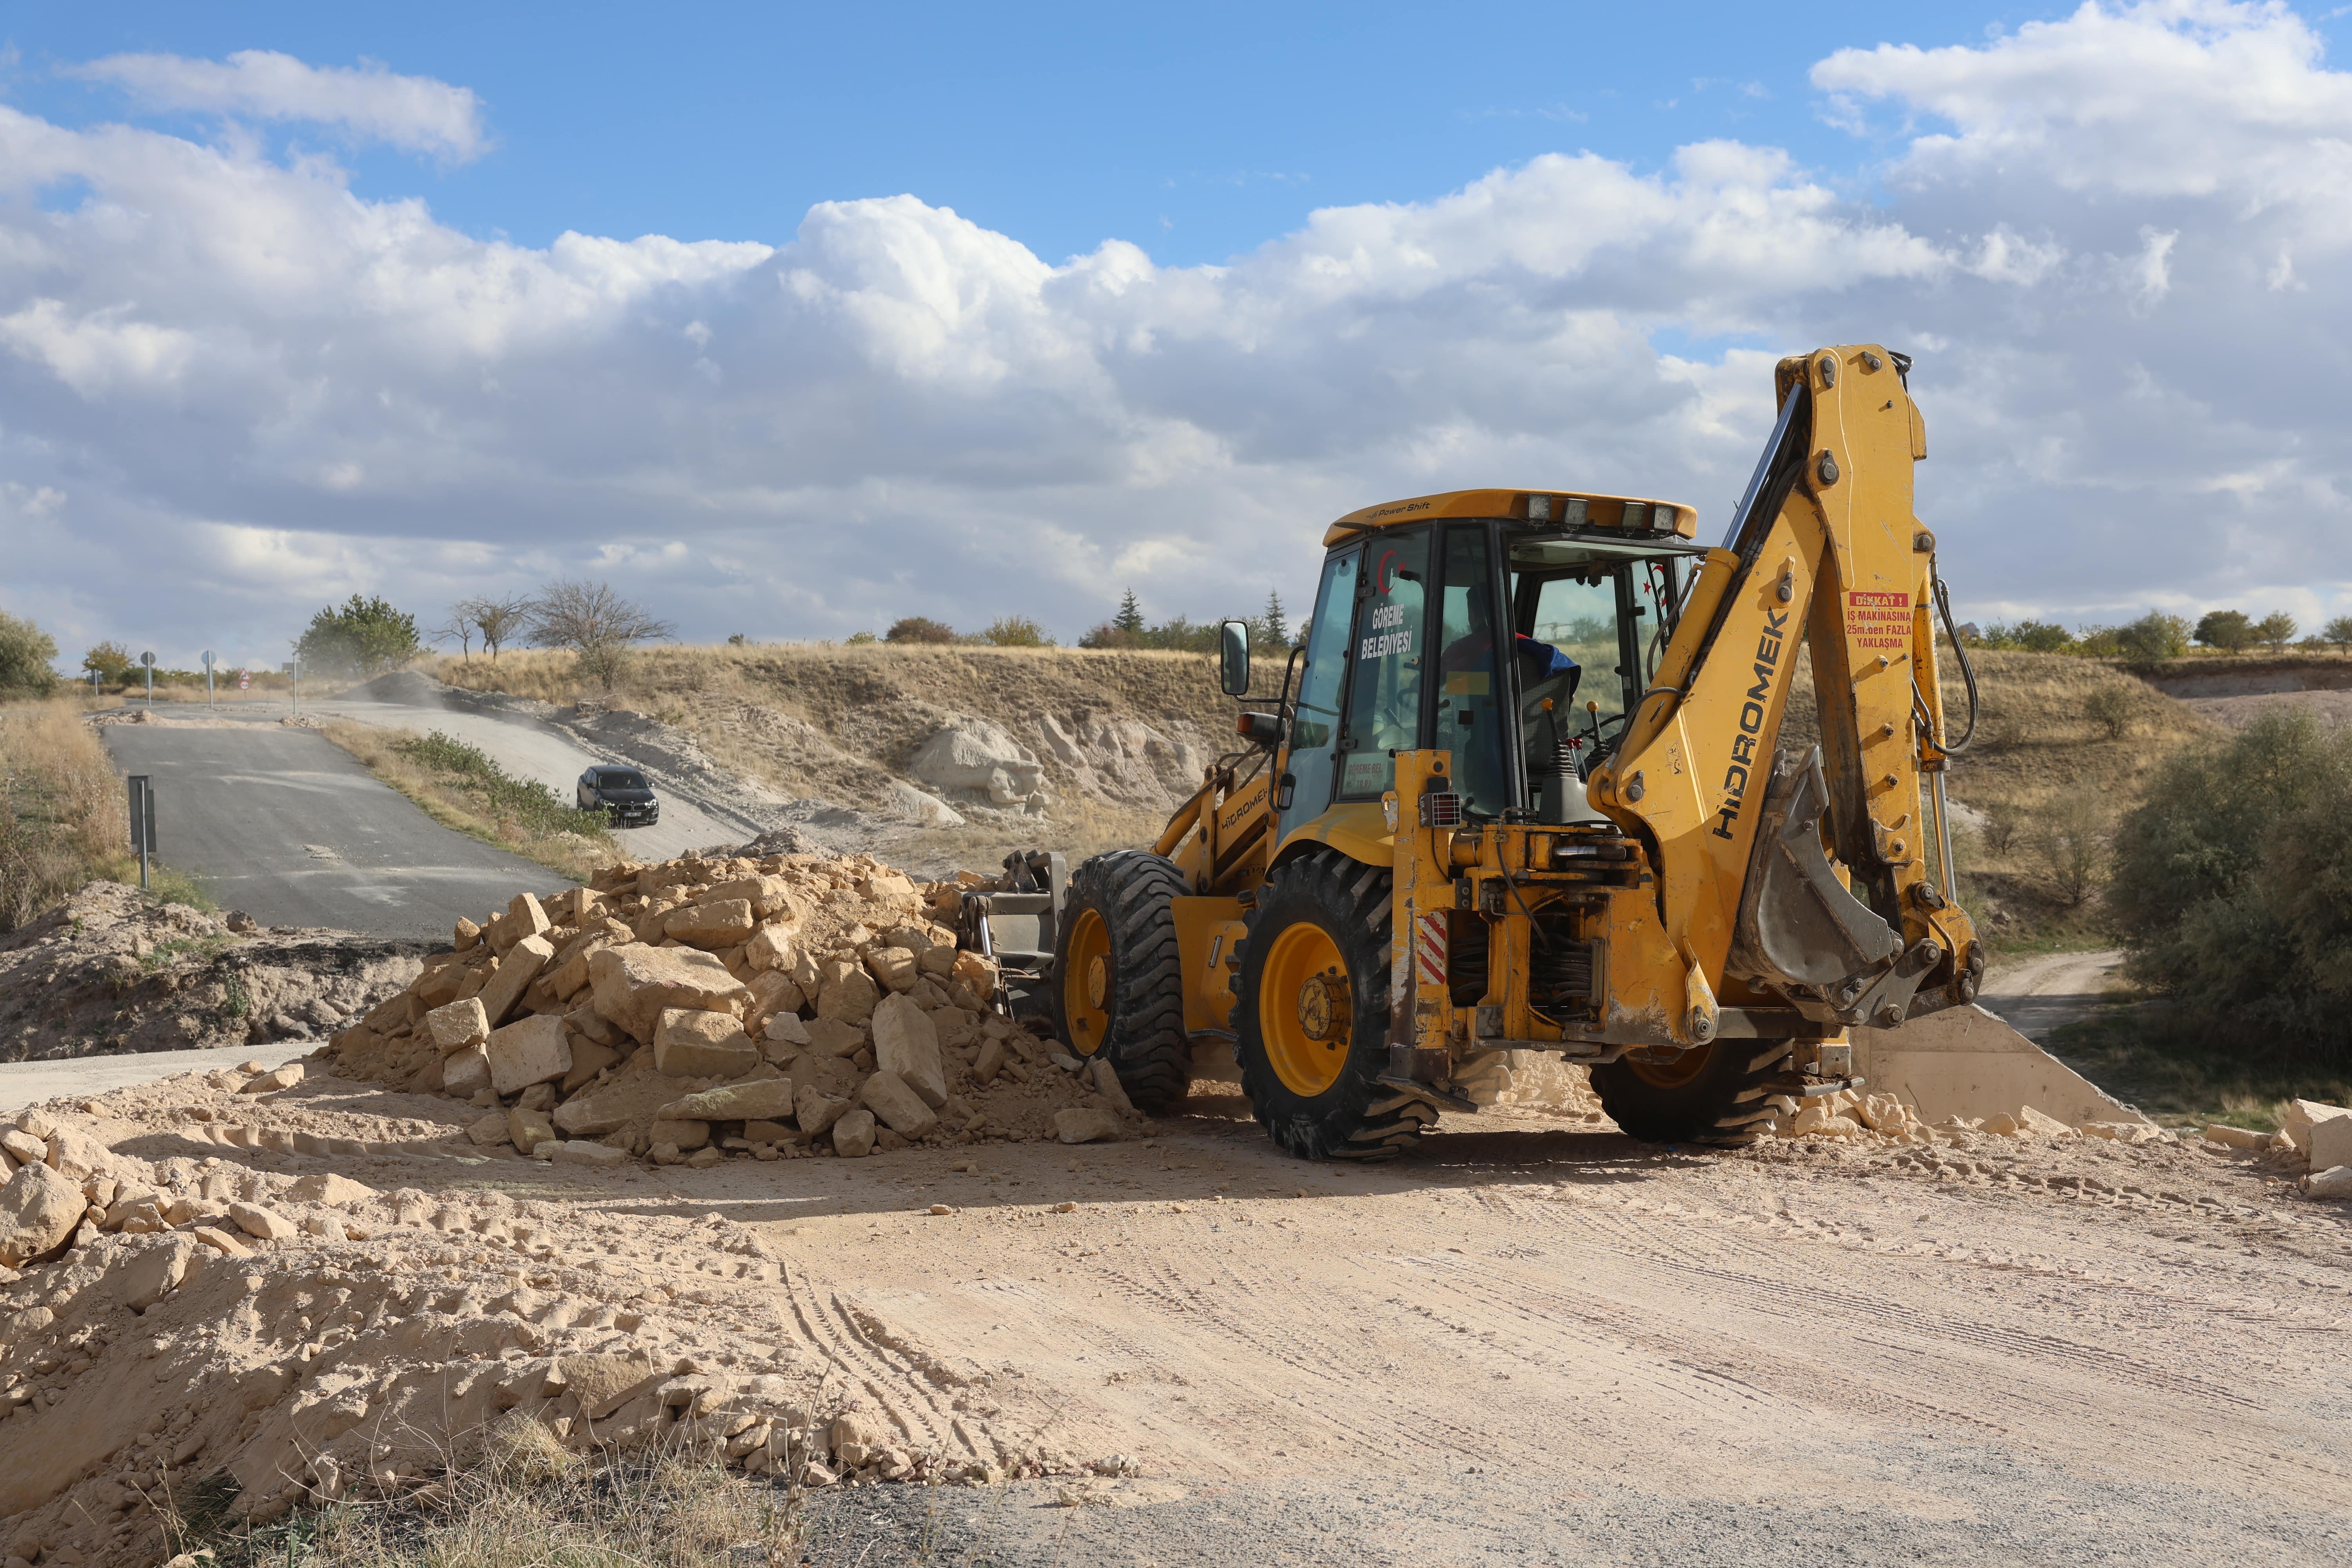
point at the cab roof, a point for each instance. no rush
(1651, 518)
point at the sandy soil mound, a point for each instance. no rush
(108, 971)
(350, 1309)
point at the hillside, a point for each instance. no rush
(1115, 740)
(1054, 748)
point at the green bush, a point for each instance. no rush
(366, 636)
(2112, 710)
(2231, 631)
(919, 629)
(25, 654)
(2234, 883)
(1017, 631)
(537, 808)
(2153, 637)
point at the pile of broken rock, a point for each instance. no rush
(767, 1009)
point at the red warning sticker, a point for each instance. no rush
(1878, 621)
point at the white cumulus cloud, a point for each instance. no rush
(414, 112)
(2114, 241)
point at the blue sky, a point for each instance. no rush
(1198, 131)
(798, 320)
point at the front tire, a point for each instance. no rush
(1312, 1014)
(1717, 1094)
(1118, 987)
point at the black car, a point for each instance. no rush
(622, 794)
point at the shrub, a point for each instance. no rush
(920, 630)
(1017, 631)
(365, 637)
(2275, 630)
(2233, 885)
(2028, 637)
(2153, 637)
(110, 662)
(25, 654)
(536, 808)
(2004, 820)
(2229, 630)
(597, 624)
(2112, 710)
(2071, 836)
(2339, 632)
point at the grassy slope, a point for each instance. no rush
(64, 818)
(573, 850)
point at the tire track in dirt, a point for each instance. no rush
(1621, 1317)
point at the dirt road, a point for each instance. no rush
(1532, 1341)
(1530, 1344)
(2035, 995)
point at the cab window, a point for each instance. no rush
(1471, 691)
(1579, 615)
(1386, 655)
(1315, 731)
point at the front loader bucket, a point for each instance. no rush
(1963, 1061)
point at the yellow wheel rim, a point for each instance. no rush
(1305, 1009)
(1086, 983)
(1675, 1073)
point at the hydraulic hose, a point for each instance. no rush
(1967, 671)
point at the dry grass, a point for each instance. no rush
(64, 818)
(455, 802)
(527, 1503)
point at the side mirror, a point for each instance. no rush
(1233, 657)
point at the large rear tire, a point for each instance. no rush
(1117, 986)
(1312, 1014)
(1718, 1094)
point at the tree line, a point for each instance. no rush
(367, 636)
(2158, 635)
(1127, 628)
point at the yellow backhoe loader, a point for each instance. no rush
(1524, 789)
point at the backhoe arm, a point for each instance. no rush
(1819, 880)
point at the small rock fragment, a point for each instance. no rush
(1083, 1124)
(577, 1152)
(853, 1133)
(262, 1224)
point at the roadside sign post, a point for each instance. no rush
(148, 659)
(210, 657)
(143, 820)
(244, 680)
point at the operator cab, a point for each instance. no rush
(1517, 630)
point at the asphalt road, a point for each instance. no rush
(530, 750)
(283, 824)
